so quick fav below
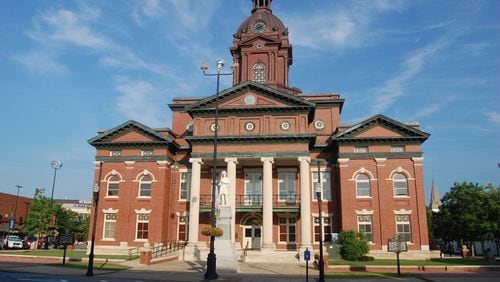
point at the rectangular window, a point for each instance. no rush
(142, 226)
(115, 153)
(360, 149)
(397, 149)
(286, 183)
(185, 186)
(287, 229)
(325, 185)
(403, 227)
(327, 229)
(109, 226)
(183, 229)
(365, 226)
(147, 153)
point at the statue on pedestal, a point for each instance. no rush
(223, 189)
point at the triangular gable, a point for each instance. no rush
(130, 132)
(264, 38)
(260, 101)
(381, 127)
(266, 94)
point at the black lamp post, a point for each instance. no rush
(95, 194)
(211, 272)
(15, 207)
(318, 189)
(55, 165)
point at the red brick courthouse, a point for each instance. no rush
(272, 140)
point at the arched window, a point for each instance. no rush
(363, 185)
(113, 186)
(400, 184)
(145, 186)
(259, 73)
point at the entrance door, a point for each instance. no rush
(253, 188)
(253, 237)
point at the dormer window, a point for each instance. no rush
(259, 73)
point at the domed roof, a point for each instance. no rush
(272, 24)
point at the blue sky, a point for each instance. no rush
(71, 68)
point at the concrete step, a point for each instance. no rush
(271, 256)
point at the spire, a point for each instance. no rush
(435, 200)
(261, 4)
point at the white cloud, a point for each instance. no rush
(139, 101)
(337, 27)
(147, 9)
(435, 107)
(394, 87)
(40, 63)
(493, 117)
(68, 27)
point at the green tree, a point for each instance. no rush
(39, 216)
(353, 245)
(45, 219)
(469, 213)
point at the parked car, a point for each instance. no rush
(13, 242)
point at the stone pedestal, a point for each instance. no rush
(227, 261)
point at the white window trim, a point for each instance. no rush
(314, 173)
(369, 186)
(108, 211)
(137, 213)
(287, 224)
(283, 170)
(181, 171)
(371, 224)
(323, 215)
(186, 223)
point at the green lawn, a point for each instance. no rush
(59, 253)
(447, 261)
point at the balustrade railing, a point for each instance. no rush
(256, 200)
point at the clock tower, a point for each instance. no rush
(261, 48)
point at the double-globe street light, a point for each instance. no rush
(55, 165)
(211, 272)
(95, 194)
(319, 189)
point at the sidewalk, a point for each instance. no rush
(194, 271)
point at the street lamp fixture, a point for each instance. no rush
(319, 189)
(95, 194)
(55, 165)
(211, 272)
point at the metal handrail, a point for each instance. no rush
(133, 253)
(161, 249)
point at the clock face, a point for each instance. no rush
(259, 27)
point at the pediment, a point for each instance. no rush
(130, 132)
(263, 38)
(381, 127)
(263, 97)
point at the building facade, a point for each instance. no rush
(275, 143)
(13, 207)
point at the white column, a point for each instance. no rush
(231, 174)
(305, 203)
(267, 203)
(194, 204)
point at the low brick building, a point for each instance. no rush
(275, 142)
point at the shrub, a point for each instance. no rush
(353, 245)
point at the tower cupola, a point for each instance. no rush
(261, 48)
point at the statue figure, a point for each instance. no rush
(223, 189)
